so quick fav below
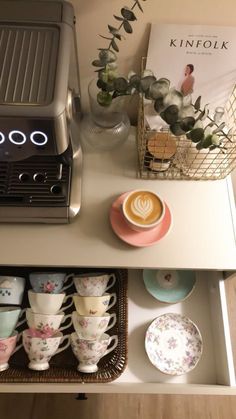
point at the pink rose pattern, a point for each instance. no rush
(48, 287)
(173, 344)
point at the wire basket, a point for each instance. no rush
(165, 156)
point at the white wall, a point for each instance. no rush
(94, 15)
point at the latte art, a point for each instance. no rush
(142, 206)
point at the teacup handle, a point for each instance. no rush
(23, 320)
(70, 282)
(69, 305)
(113, 321)
(113, 295)
(115, 338)
(66, 337)
(68, 316)
(112, 282)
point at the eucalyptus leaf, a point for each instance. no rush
(199, 146)
(105, 37)
(207, 141)
(219, 128)
(120, 84)
(187, 123)
(112, 29)
(196, 135)
(114, 45)
(128, 14)
(98, 63)
(176, 129)
(170, 114)
(107, 56)
(197, 104)
(159, 105)
(174, 97)
(146, 82)
(127, 26)
(135, 81)
(158, 89)
(118, 18)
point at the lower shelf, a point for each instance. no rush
(214, 374)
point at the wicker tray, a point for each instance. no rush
(63, 367)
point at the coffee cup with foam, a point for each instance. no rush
(143, 209)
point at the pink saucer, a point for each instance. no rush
(135, 238)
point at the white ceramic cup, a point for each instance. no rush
(48, 303)
(50, 282)
(8, 348)
(145, 205)
(11, 289)
(92, 327)
(47, 323)
(94, 283)
(93, 306)
(40, 350)
(89, 352)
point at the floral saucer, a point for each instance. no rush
(169, 286)
(137, 238)
(173, 344)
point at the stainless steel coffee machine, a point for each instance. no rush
(40, 154)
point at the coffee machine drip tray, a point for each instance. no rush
(40, 189)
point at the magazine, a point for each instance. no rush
(198, 60)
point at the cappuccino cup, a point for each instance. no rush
(143, 210)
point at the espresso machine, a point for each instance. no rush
(40, 153)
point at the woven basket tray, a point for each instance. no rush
(63, 367)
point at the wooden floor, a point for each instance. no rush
(64, 406)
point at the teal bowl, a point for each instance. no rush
(169, 286)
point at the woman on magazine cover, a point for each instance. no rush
(188, 82)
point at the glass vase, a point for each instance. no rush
(106, 127)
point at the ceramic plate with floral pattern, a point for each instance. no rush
(173, 344)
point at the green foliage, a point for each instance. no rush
(183, 118)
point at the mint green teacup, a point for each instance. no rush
(8, 320)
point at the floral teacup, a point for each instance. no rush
(40, 350)
(92, 327)
(93, 284)
(47, 323)
(7, 349)
(50, 282)
(94, 306)
(89, 352)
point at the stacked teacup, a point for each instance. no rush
(91, 320)
(11, 295)
(44, 317)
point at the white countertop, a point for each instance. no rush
(202, 235)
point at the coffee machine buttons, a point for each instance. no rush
(38, 138)
(17, 137)
(39, 177)
(2, 137)
(24, 177)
